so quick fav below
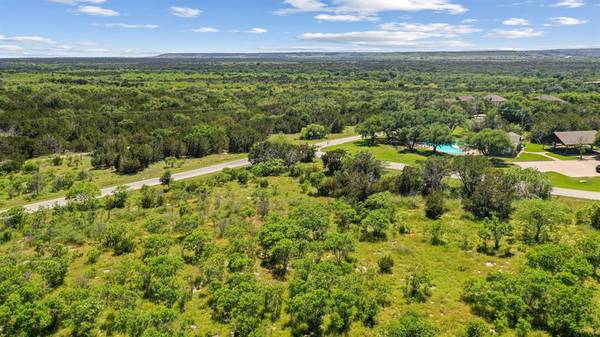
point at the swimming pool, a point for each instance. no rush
(451, 149)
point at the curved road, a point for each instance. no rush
(244, 162)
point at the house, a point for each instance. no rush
(575, 138)
(551, 99)
(466, 99)
(495, 99)
(517, 141)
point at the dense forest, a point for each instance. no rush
(293, 245)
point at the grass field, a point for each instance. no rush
(527, 157)
(585, 184)
(561, 154)
(384, 152)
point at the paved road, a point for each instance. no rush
(244, 162)
(179, 176)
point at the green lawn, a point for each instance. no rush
(527, 157)
(383, 152)
(585, 184)
(561, 154)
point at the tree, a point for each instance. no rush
(438, 134)
(83, 195)
(312, 131)
(333, 160)
(595, 218)
(477, 328)
(470, 170)
(539, 219)
(166, 178)
(307, 312)
(369, 129)
(494, 230)
(491, 142)
(410, 325)
(410, 181)
(375, 225)
(341, 245)
(530, 183)
(434, 171)
(434, 205)
(493, 197)
(206, 139)
(311, 217)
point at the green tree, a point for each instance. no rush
(438, 134)
(166, 178)
(83, 195)
(418, 285)
(434, 205)
(410, 325)
(470, 170)
(493, 197)
(491, 142)
(341, 245)
(312, 131)
(539, 219)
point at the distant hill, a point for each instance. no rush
(468, 55)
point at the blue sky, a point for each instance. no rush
(144, 27)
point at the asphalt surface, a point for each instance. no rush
(244, 162)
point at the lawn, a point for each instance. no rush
(585, 184)
(561, 154)
(527, 157)
(383, 152)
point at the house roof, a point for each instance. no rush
(571, 138)
(553, 99)
(515, 138)
(495, 99)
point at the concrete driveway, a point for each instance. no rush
(570, 168)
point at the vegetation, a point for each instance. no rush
(292, 245)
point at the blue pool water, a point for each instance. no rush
(452, 149)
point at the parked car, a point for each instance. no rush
(598, 168)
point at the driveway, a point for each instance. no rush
(570, 168)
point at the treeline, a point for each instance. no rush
(80, 108)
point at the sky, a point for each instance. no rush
(134, 28)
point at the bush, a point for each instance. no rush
(385, 263)
(595, 219)
(410, 325)
(418, 285)
(268, 168)
(312, 131)
(477, 328)
(410, 182)
(434, 205)
(283, 149)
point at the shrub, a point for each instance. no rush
(312, 131)
(595, 218)
(410, 325)
(418, 285)
(385, 263)
(434, 205)
(268, 168)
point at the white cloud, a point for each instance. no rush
(516, 22)
(467, 21)
(256, 30)
(125, 25)
(376, 6)
(299, 6)
(10, 48)
(185, 12)
(344, 18)
(516, 33)
(96, 11)
(371, 7)
(205, 30)
(567, 21)
(26, 39)
(401, 35)
(441, 29)
(75, 2)
(87, 43)
(570, 4)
